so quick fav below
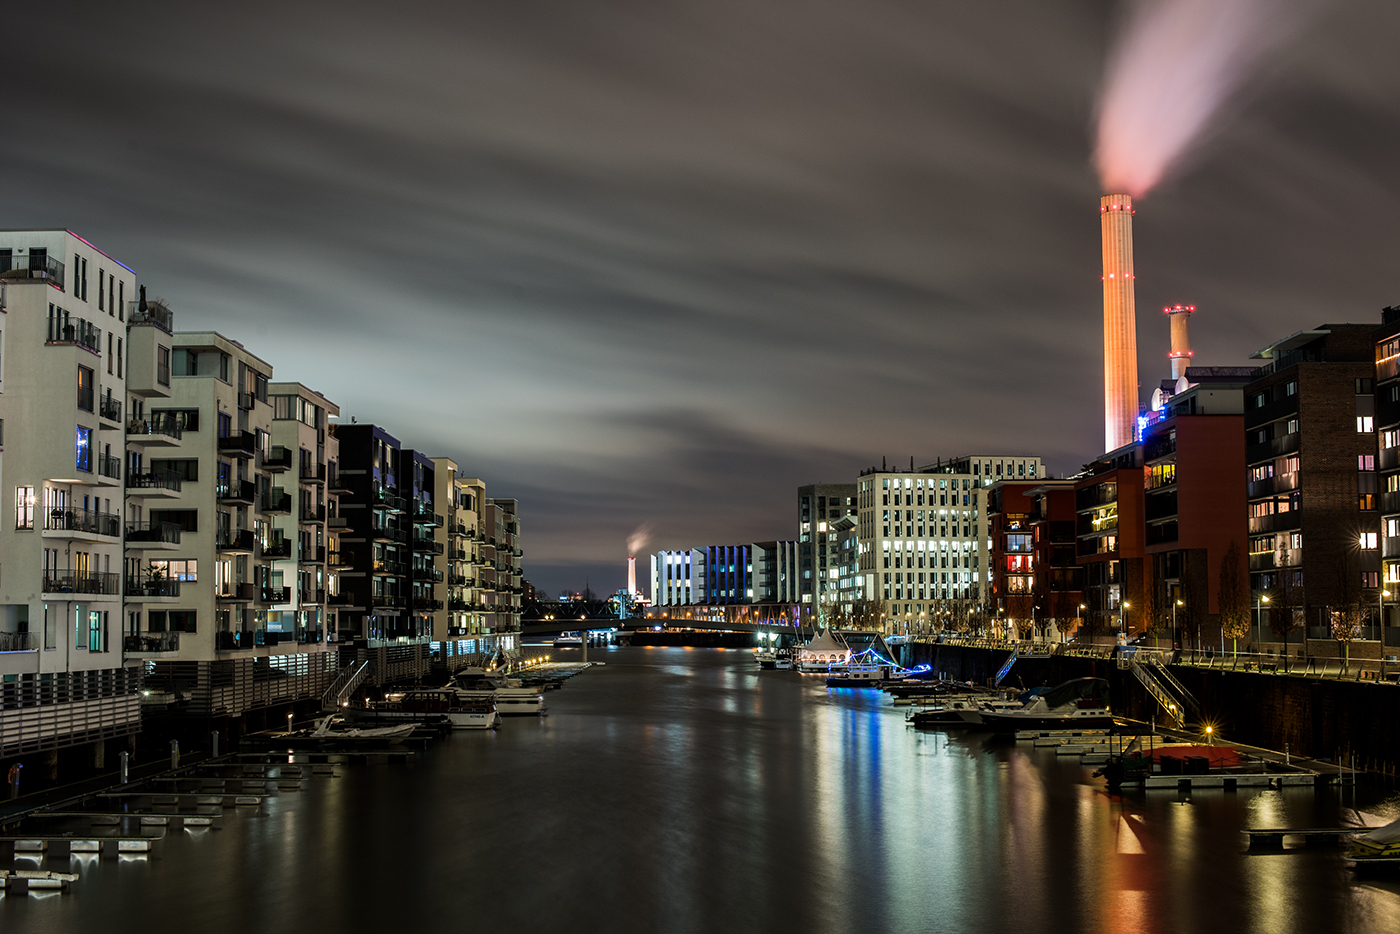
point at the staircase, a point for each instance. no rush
(350, 678)
(1006, 667)
(1171, 696)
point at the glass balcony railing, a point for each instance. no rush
(83, 520)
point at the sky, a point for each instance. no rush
(653, 265)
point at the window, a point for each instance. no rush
(109, 351)
(1263, 472)
(1392, 527)
(24, 507)
(1367, 501)
(1290, 388)
(1365, 462)
(1365, 423)
(185, 569)
(1365, 387)
(101, 292)
(163, 365)
(97, 631)
(186, 420)
(1390, 439)
(84, 449)
(1261, 399)
(1292, 427)
(119, 361)
(186, 362)
(172, 620)
(186, 520)
(225, 424)
(85, 388)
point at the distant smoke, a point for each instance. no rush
(1173, 65)
(638, 539)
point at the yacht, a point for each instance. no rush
(959, 713)
(510, 696)
(1080, 703)
(865, 676)
(440, 705)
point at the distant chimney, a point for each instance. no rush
(632, 575)
(1120, 384)
(1180, 355)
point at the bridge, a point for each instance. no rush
(547, 619)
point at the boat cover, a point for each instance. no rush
(1390, 833)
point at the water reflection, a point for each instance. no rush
(683, 790)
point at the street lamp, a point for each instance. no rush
(1258, 611)
(1123, 617)
(1174, 635)
(1381, 622)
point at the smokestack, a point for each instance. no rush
(1180, 355)
(631, 574)
(1120, 382)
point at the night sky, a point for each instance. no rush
(658, 263)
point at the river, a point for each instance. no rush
(683, 790)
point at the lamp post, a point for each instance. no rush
(1380, 623)
(1123, 618)
(1258, 611)
(1174, 635)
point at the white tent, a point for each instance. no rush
(825, 649)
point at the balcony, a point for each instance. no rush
(459, 580)
(390, 568)
(341, 600)
(313, 514)
(427, 545)
(340, 560)
(312, 473)
(70, 582)
(426, 603)
(151, 588)
(276, 460)
(109, 409)
(1278, 522)
(312, 596)
(236, 592)
(333, 482)
(80, 523)
(152, 535)
(246, 400)
(74, 331)
(156, 430)
(236, 640)
(277, 502)
(338, 525)
(234, 540)
(386, 601)
(151, 643)
(18, 642)
(310, 636)
(109, 466)
(165, 483)
(461, 606)
(239, 443)
(390, 535)
(236, 491)
(152, 311)
(275, 595)
(316, 554)
(33, 266)
(456, 554)
(1276, 447)
(427, 574)
(387, 499)
(278, 548)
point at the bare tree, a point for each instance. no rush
(1286, 609)
(1233, 597)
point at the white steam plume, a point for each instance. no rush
(1173, 65)
(638, 539)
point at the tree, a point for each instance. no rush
(1194, 599)
(1020, 608)
(1346, 626)
(1286, 609)
(1149, 613)
(1233, 597)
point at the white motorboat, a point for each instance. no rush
(766, 658)
(390, 734)
(1080, 703)
(440, 704)
(510, 696)
(782, 660)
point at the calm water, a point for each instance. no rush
(683, 790)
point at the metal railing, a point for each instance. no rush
(278, 548)
(152, 587)
(155, 312)
(150, 643)
(242, 442)
(40, 266)
(18, 642)
(237, 491)
(234, 539)
(278, 458)
(109, 466)
(83, 520)
(150, 531)
(163, 425)
(73, 582)
(110, 408)
(153, 480)
(344, 685)
(312, 472)
(74, 331)
(277, 500)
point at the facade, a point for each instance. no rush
(1110, 540)
(923, 539)
(221, 621)
(1059, 580)
(1011, 566)
(64, 337)
(819, 506)
(1310, 450)
(1388, 465)
(727, 575)
(1193, 504)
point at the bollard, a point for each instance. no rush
(125, 758)
(174, 753)
(14, 779)
(1287, 759)
(214, 742)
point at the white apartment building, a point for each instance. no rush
(64, 342)
(922, 537)
(460, 628)
(678, 577)
(239, 634)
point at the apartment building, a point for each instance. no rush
(726, 575)
(459, 630)
(223, 624)
(1110, 540)
(1311, 450)
(1387, 400)
(1058, 579)
(63, 343)
(1194, 504)
(819, 506)
(923, 537)
(501, 554)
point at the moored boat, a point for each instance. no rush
(510, 696)
(442, 705)
(1081, 703)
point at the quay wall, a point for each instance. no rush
(1312, 717)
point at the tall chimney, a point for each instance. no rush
(1180, 355)
(631, 574)
(1120, 383)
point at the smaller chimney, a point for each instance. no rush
(1180, 355)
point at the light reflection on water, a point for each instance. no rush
(684, 790)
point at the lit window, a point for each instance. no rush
(1365, 423)
(1368, 540)
(84, 449)
(24, 507)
